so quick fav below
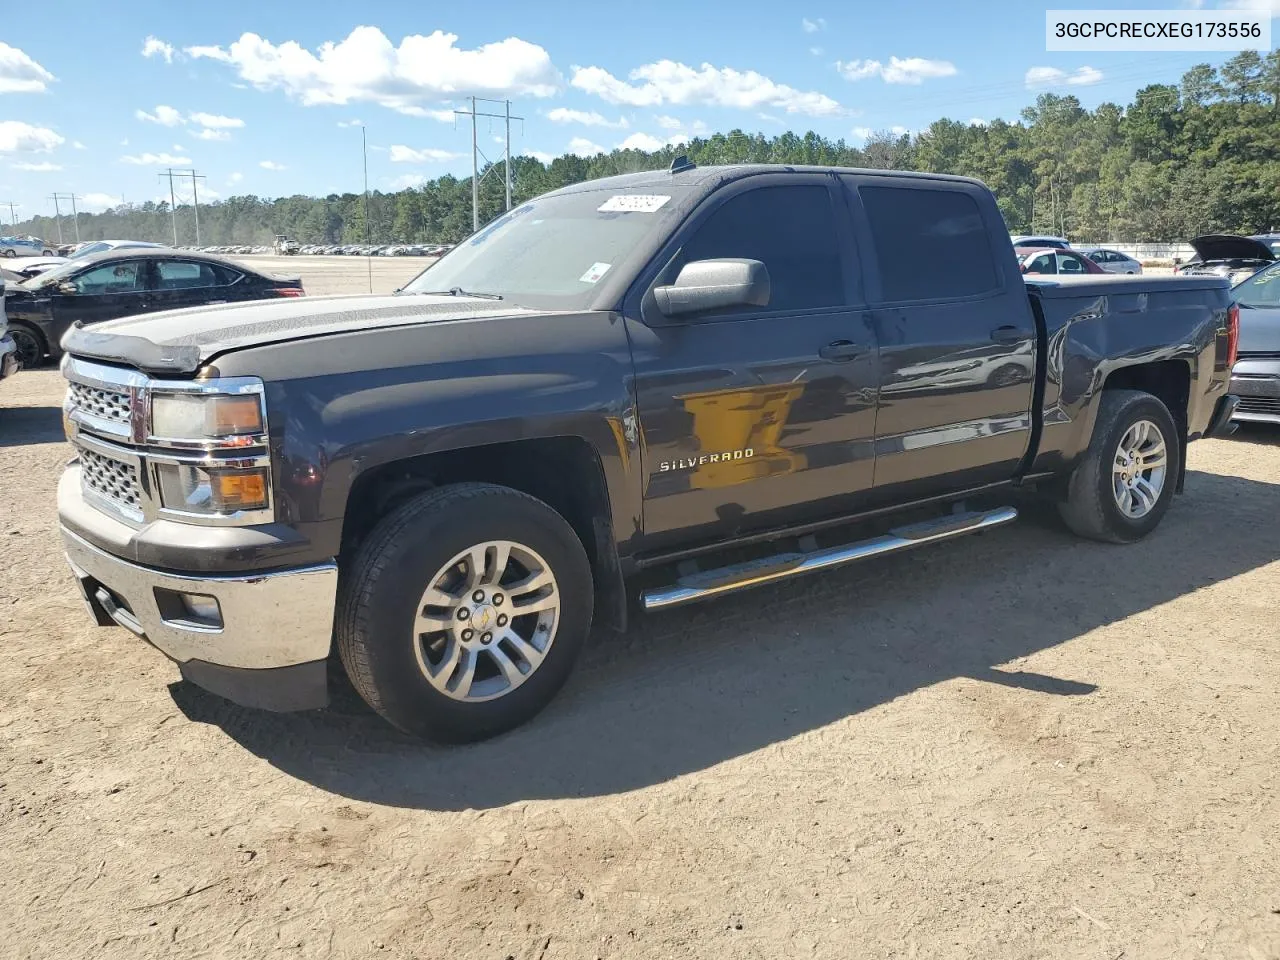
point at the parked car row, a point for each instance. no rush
(339, 250)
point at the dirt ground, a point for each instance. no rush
(1014, 746)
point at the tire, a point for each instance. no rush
(404, 669)
(31, 346)
(10, 253)
(1093, 508)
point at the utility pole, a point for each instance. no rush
(75, 216)
(368, 260)
(173, 205)
(10, 204)
(58, 217)
(476, 152)
(195, 198)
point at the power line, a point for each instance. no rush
(11, 204)
(75, 216)
(169, 174)
(505, 116)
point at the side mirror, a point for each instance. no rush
(68, 288)
(714, 285)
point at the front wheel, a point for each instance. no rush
(463, 612)
(10, 253)
(1124, 485)
(30, 347)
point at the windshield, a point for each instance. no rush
(551, 253)
(89, 249)
(52, 276)
(1260, 290)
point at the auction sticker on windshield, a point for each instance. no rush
(597, 271)
(633, 203)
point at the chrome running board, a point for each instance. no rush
(754, 573)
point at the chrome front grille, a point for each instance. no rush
(1269, 405)
(110, 405)
(115, 481)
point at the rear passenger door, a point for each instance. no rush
(186, 283)
(955, 332)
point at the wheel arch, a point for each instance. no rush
(28, 327)
(1169, 381)
(565, 472)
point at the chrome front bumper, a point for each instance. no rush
(269, 623)
(1257, 383)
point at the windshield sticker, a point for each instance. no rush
(632, 203)
(597, 271)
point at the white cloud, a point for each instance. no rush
(587, 119)
(862, 133)
(271, 165)
(78, 145)
(443, 115)
(214, 121)
(100, 201)
(235, 178)
(153, 47)
(179, 147)
(676, 83)
(1053, 77)
(1263, 6)
(812, 26)
(351, 123)
(977, 122)
(19, 137)
(367, 67)
(668, 123)
(210, 134)
(408, 181)
(816, 51)
(20, 74)
(583, 147)
(899, 131)
(43, 167)
(156, 160)
(124, 142)
(165, 116)
(402, 154)
(647, 142)
(911, 70)
(539, 156)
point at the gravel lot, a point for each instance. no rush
(1013, 746)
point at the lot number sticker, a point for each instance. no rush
(597, 271)
(633, 203)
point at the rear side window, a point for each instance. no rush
(791, 230)
(183, 274)
(226, 276)
(930, 244)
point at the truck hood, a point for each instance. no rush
(181, 341)
(1226, 247)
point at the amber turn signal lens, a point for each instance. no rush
(236, 415)
(240, 490)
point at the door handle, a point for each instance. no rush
(1010, 334)
(839, 350)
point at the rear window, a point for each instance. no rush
(930, 244)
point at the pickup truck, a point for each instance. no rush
(640, 391)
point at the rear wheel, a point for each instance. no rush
(464, 611)
(10, 253)
(31, 349)
(1124, 484)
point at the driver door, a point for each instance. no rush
(104, 292)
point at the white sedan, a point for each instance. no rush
(1113, 261)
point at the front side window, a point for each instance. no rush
(1044, 263)
(930, 244)
(791, 230)
(110, 278)
(1069, 264)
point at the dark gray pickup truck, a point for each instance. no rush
(658, 388)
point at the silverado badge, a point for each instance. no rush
(689, 463)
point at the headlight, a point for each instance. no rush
(212, 490)
(235, 419)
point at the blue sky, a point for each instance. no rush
(267, 98)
